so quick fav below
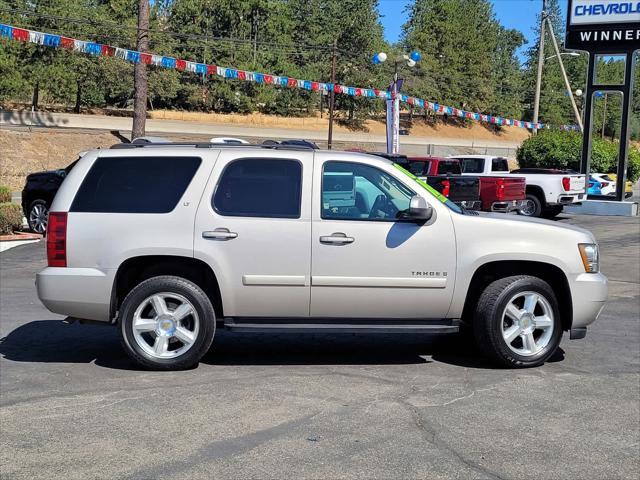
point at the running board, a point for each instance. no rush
(306, 325)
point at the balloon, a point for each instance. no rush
(415, 56)
(411, 63)
(382, 57)
(375, 59)
(578, 93)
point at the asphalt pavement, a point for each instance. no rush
(319, 406)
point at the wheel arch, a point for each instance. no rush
(137, 269)
(538, 192)
(494, 270)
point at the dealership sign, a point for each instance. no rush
(603, 25)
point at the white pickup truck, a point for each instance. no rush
(548, 190)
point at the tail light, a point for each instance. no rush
(604, 184)
(566, 183)
(500, 189)
(57, 239)
(590, 184)
(446, 187)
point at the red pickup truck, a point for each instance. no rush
(497, 194)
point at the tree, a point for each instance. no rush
(140, 72)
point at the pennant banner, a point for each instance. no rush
(97, 49)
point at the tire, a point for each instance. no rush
(531, 207)
(175, 341)
(492, 323)
(552, 212)
(37, 216)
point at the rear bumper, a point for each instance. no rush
(569, 198)
(76, 292)
(589, 293)
(506, 206)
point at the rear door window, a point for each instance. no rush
(135, 184)
(499, 164)
(260, 187)
(449, 167)
(472, 165)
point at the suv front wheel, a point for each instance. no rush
(517, 321)
(167, 323)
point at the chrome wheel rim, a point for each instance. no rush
(528, 208)
(38, 218)
(527, 323)
(165, 325)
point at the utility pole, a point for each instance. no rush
(567, 85)
(140, 72)
(332, 95)
(536, 102)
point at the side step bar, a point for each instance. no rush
(306, 325)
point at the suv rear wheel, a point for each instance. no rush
(517, 321)
(38, 216)
(167, 323)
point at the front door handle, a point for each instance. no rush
(337, 238)
(219, 234)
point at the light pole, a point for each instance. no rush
(393, 104)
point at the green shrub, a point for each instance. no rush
(557, 149)
(10, 217)
(5, 194)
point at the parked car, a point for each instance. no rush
(169, 243)
(441, 175)
(229, 141)
(607, 184)
(548, 190)
(39, 190)
(594, 186)
(628, 185)
(497, 193)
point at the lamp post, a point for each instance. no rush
(393, 104)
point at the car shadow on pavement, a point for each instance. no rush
(54, 341)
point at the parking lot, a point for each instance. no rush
(320, 406)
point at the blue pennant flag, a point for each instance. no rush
(51, 40)
(6, 31)
(168, 62)
(133, 56)
(96, 49)
(201, 68)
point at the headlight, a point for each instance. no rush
(590, 257)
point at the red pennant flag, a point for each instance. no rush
(66, 42)
(145, 58)
(292, 82)
(336, 88)
(212, 70)
(268, 79)
(21, 34)
(242, 75)
(315, 86)
(181, 64)
(105, 50)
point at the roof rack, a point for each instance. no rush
(207, 145)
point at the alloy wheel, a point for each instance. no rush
(527, 323)
(165, 325)
(38, 218)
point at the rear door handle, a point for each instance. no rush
(219, 234)
(337, 238)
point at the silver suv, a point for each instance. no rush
(171, 241)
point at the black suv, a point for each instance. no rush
(38, 193)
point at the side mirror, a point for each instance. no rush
(419, 210)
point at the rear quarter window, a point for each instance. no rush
(135, 184)
(499, 164)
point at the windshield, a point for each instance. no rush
(431, 190)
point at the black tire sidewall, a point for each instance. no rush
(491, 321)
(191, 292)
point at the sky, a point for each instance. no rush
(518, 14)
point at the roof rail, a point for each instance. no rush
(126, 146)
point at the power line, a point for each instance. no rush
(107, 24)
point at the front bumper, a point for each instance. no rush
(589, 293)
(506, 206)
(76, 292)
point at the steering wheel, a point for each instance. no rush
(380, 205)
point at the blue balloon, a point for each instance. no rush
(415, 56)
(375, 59)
